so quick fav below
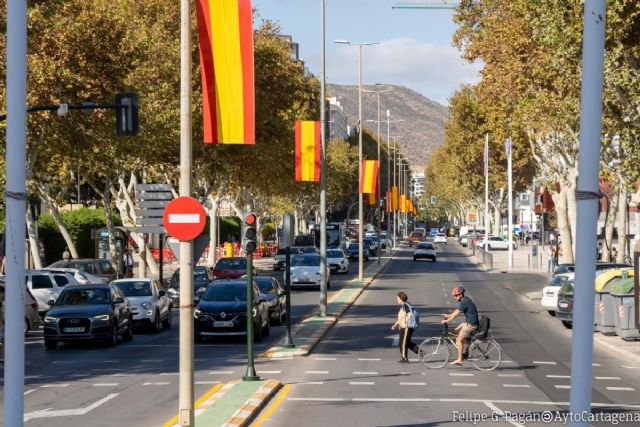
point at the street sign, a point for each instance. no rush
(151, 200)
(472, 216)
(288, 230)
(199, 245)
(184, 218)
(433, 200)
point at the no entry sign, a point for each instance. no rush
(184, 218)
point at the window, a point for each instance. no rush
(40, 281)
(61, 281)
(106, 267)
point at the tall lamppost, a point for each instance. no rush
(360, 207)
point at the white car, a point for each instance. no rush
(425, 250)
(32, 320)
(550, 292)
(337, 261)
(46, 286)
(81, 277)
(464, 240)
(440, 238)
(496, 242)
(150, 305)
(305, 271)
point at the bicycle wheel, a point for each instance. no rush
(434, 353)
(485, 355)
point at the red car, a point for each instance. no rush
(230, 268)
(415, 237)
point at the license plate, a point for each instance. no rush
(222, 324)
(563, 305)
(549, 294)
(73, 330)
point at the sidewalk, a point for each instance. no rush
(523, 260)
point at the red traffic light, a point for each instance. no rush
(250, 219)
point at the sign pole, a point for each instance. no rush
(324, 273)
(250, 374)
(510, 222)
(288, 340)
(161, 258)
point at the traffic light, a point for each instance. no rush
(249, 233)
(127, 114)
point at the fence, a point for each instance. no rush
(221, 252)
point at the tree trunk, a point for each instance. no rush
(612, 213)
(496, 212)
(572, 206)
(622, 225)
(564, 226)
(213, 229)
(45, 196)
(106, 204)
(33, 238)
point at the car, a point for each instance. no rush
(550, 292)
(564, 309)
(384, 241)
(32, 319)
(464, 240)
(222, 311)
(371, 244)
(45, 286)
(353, 250)
(304, 240)
(305, 271)
(81, 277)
(98, 267)
(425, 250)
(570, 268)
(273, 291)
(201, 279)
(88, 313)
(279, 260)
(415, 237)
(231, 268)
(440, 238)
(495, 242)
(308, 250)
(337, 261)
(150, 305)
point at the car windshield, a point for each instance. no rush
(557, 281)
(335, 254)
(425, 246)
(567, 288)
(225, 293)
(266, 287)
(310, 250)
(232, 264)
(135, 288)
(84, 297)
(306, 261)
(200, 276)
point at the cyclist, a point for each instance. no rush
(469, 327)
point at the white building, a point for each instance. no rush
(338, 124)
(417, 185)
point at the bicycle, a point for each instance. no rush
(435, 352)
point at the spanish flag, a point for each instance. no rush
(403, 203)
(369, 178)
(307, 150)
(225, 30)
(394, 198)
(372, 199)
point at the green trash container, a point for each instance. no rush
(605, 310)
(624, 315)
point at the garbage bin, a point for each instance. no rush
(624, 315)
(228, 249)
(605, 309)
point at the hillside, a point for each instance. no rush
(422, 128)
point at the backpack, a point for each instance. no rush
(483, 328)
(414, 322)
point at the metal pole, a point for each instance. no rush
(395, 202)
(360, 207)
(16, 210)
(323, 171)
(587, 195)
(288, 341)
(379, 192)
(161, 258)
(510, 222)
(389, 205)
(486, 192)
(250, 373)
(186, 413)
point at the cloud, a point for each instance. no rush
(435, 70)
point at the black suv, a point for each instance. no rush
(88, 313)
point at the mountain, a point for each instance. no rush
(421, 129)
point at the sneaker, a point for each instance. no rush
(403, 360)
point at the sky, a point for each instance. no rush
(415, 45)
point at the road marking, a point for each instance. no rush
(28, 392)
(197, 360)
(325, 358)
(621, 389)
(270, 410)
(158, 383)
(316, 372)
(630, 367)
(207, 382)
(269, 372)
(111, 361)
(417, 383)
(460, 374)
(122, 375)
(395, 340)
(54, 385)
(48, 413)
(364, 359)
(596, 364)
(221, 372)
(539, 362)
(29, 377)
(105, 384)
(464, 384)
(166, 374)
(559, 376)
(198, 402)
(516, 385)
(312, 382)
(562, 386)
(608, 378)
(184, 219)
(365, 373)
(59, 362)
(152, 360)
(509, 375)
(500, 412)
(361, 383)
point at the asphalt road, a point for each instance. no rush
(136, 383)
(353, 379)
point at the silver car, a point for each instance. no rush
(46, 285)
(151, 306)
(32, 320)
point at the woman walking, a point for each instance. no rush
(405, 317)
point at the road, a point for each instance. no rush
(353, 378)
(136, 383)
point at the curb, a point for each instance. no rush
(251, 407)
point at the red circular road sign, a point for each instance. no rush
(184, 218)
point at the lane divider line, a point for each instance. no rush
(271, 408)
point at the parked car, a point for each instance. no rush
(353, 250)
(97, 267)
(201, 279)
(569, 268)
(222, 311)
(550, 292)
(425, 250)
(32, 320)
(305, 271)
(88, 313)
(440, 238)
(415, 238)
(81, 277)
(309, 250)
(273, 291)
(46, 286)
(337, 261)
(496, 242)
(150, 305)
(279, 260)
(564, 310)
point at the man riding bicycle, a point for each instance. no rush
(469, 327)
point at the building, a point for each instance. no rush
(338, 124)
(417, 185)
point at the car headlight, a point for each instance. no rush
(49, 319)
(146, 305)
(102, 317)
(197, 313)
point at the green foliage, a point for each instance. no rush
(230, 229)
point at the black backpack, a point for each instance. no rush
(483, 327)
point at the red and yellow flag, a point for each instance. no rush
(307, 150)
(372, 198)
(403, 203)
(394, 198)
(225, 33)
(369, 178)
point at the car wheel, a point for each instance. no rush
(50, 344)
(414, 258)
(552, 312)
(434, 259)
(567, 324)
(278, 320)
(128, 336)
(27, 327)
(155, 327)
(113, 336)
(166, 323)
(197, 338)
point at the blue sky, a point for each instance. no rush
(415, 49)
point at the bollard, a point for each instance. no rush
(636, 283)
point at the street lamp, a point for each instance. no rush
(360, 207)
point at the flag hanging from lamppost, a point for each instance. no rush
(372, 199)
(225, 34)
(369, 178)
(394, 198)
(308, 150)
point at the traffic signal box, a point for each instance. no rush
(249, 233)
